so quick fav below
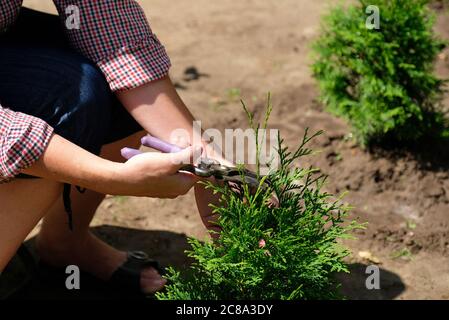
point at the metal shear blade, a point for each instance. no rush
(206, 167)
(210, 168)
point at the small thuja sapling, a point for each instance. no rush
(288, 251)
(382, 79)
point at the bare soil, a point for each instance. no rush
(260, 46)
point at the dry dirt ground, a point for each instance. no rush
(251, 47)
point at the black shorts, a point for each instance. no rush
(41, 75)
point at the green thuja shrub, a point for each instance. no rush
(381, 80)
(289, 251)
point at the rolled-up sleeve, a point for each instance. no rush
(23, 139)
(117, 37)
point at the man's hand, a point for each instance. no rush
(148, 174)
(154, 174)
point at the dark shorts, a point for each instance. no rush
(41, 75)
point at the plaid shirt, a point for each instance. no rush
(113, 34)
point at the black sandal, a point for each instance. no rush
(127, 276)
(125, 281)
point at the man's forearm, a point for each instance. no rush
(159, 110)
(66, 162)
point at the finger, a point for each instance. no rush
(186, 156)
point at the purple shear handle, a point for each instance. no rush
(158, 144)
(128, 153)
(151, 142)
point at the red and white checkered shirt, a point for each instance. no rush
(114, 34)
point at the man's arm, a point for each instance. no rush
(116, 35)
(28, 145)
(149, 174)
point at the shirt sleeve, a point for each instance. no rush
(9, 9)
(117, 37)
(23, 139)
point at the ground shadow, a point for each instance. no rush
(354, 284)
(431, 154)
(166, 247)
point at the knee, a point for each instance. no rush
(88, 113)
(93, 88)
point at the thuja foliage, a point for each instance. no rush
(381, 80)
(264, 251)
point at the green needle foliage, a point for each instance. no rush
(289, 251)
(382, 80)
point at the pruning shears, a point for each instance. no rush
(205, 168)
